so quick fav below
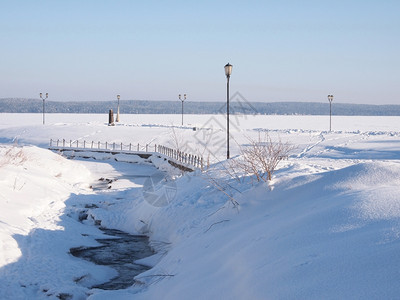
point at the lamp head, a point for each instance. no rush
(228, 70)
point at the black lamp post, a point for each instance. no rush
(228, 72)
(330, 99)
(41, 97)
(117, 120)
(182, 100)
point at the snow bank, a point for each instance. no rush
(326, 235)
(34, 185)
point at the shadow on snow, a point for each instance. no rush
(47, 265)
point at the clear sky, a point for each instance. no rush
(280, 50)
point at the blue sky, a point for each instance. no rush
(154, 50)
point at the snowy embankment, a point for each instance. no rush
(326, 235)
(35, 241)
(33, 183)
(326, 227)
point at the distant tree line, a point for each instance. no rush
(23, 105)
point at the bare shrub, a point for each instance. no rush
(221, 185)
(261, 156)
(13, 155)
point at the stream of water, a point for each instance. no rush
(120, 252)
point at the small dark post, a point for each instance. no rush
(110, 118)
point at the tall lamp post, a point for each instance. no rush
(41, 97)
(182, 100)
(117, 120)
(228, 72)
(330, 99)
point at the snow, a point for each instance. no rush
(326, 227)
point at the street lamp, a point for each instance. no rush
(330, 99)
(117, 120)
(182, 99)
(41, 97)
(228, 72)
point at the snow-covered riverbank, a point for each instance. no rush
(327, 226)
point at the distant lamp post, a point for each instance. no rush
(330, 99)
(117, 119)
(41, 97)
(228, 72)
(182, 100)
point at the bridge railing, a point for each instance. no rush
(177, 155)
(183, 157)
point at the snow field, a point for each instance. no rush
(326, 227)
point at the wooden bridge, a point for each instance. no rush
(179, 159)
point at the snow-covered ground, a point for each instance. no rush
(326, 227)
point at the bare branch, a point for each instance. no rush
(215, 224)
(261, 156)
